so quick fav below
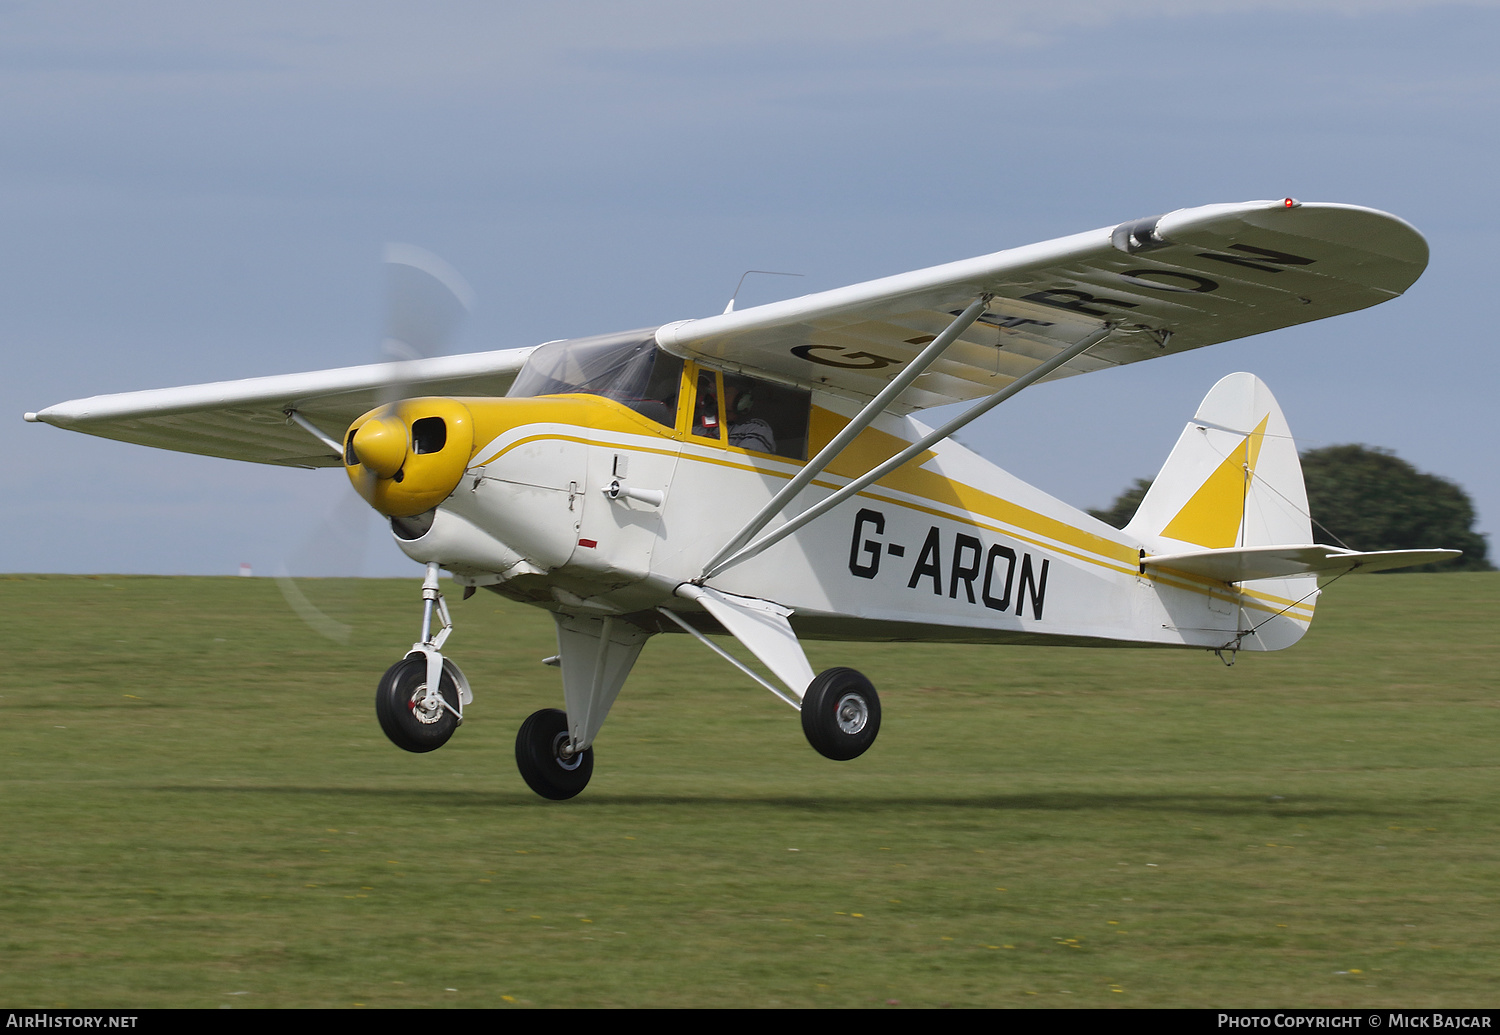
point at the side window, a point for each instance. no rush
(707, 414)
(765, 417)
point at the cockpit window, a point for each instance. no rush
(628, 368)
(765, 417)
(706, 418)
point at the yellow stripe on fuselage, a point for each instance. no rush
(934, 493)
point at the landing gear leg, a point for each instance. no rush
(555, 749)
(421, 698)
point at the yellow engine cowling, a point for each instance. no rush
(407, 457)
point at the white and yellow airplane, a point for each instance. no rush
(760, 472)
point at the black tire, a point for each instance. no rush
(840, 714)
(539, 757)
(398, 706)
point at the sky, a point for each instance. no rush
(195, 192)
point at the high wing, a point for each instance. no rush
(248, 420)
(1163, 285)
(1176, 282)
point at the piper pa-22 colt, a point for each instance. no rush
(760, 472)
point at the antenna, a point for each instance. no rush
(769, 273)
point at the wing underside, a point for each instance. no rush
(248, 420)
(1169, 284)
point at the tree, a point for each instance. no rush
(1125, 505)
(1370, 499)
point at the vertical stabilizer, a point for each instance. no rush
(1233, 478)
(1234, 481)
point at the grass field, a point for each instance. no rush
(200, 810)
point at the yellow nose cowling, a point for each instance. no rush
(407, 458)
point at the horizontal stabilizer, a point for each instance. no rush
(1245, 564)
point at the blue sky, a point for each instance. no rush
(195, 192)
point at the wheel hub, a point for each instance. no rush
(852, 713)
(426, 705)
(562, 751)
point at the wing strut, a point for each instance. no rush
(312, 429)
(866, 416)
(916, 448)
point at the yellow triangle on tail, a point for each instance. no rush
(1213, 515)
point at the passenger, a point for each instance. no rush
(745, 430)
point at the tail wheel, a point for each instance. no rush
(413, 718)
(544, 760)
(840, 714)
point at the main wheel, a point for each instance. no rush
(414, 719)
(540, 756)
(840, 714)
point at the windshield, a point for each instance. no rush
(628, 368)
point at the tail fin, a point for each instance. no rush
(1232, 484)
(1233, 479)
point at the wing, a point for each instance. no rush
(247, 420)
(1171, 283)
(1167, 284)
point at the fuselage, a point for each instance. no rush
(587, 504)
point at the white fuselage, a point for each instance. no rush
(949, 547)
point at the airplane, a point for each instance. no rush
(762, 473)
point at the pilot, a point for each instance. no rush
(745, 430)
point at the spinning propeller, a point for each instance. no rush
(426, 301)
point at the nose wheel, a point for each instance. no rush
(415, 716)
(840, 714)
(547, 763)
(420, 700)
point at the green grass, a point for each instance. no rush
(200, 810)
